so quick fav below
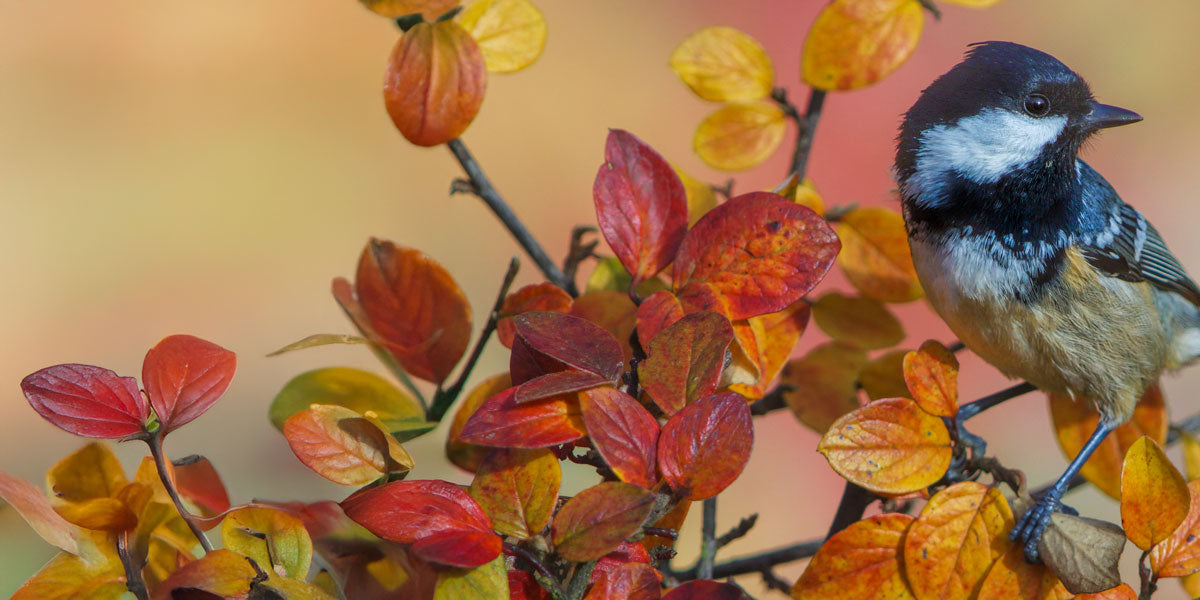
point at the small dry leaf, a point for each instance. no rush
(1083, 553)
(822, 384)
(883, 377)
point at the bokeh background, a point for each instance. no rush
(208, 167)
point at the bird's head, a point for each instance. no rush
(1006, 110)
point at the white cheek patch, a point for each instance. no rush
(981, 148)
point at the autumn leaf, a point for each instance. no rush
(441, 521)
(1013, 577)
(518, 489)
(502, 422)
(271, 537)
(861, 322)
(672, 520)
(184, 376)
(543, 296)
(86, 488)
(641, 205)
(595, 521)
(758, 252)
(626, 553)
(523, 586)
(1084, 553)
(354, 389)
(33, 506)
(1179, 554)
(655, 313)
(776, 335)
(623, 432)
(723, 64)
(1075, 419)
(888, 446)
(468, 456)
(705, 446)
(860, 561)
(701, 197)
(685, 360)
(571, 341)
(511, 33)
(973, 3)
(740, 136)
(1191, 455)
(821, 385)
(1154, 496)
(485, 582)
(614, 312)
(956, 538)
(875, 255)
(883, 376)
(630, 581)
(609, 275)
(857, 42)
(87, 401)
(1120, 592)
(430, 9)
(931, 374)
(705, 589)
(435, 80)
(344, 446)
(320, 339)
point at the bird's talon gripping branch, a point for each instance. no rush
(1029, 529)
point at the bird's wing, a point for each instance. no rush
(1130, 248)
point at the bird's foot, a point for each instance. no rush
(1029, 529)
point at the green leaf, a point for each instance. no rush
(355, 389)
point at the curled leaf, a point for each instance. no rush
(320, 339)
(435, 82)
(775, 335)
(888, 446)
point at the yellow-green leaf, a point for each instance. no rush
(723, 64)
(511, 33)
(739, 136)
(700, 196)
(485, 582)
(271, 537)
(354, 389)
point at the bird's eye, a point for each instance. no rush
(1037, 105)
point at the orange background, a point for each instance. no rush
(208, 167)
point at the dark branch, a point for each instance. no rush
(850, 509)
(756, 563)
(579, 252)
(743, 527)
(772, 401)
(535, 562)
(160, 463)
(775, 582)
(133, 572)
(708, 539)
(670, 534)
(806, 126)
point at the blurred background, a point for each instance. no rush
(208, 167)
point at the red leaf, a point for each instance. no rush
(526, 364)
(627, 552)
(613, 311)
(685, 360)
(597, 520)
(87, 401)
(706, 589)
(641, 205)
(555, 384)
(705, 446)
(623, 432)
(573, 341)
(184, 376)
(523, 586)
(434, 83)
(502, 422)
(440, 520)
(632, 581)
(199, 482)
(655, 313)
(539, 296)
(758, 252)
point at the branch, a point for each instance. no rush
(579, 252)
(546, 574)
(160, 463)
(708, 540)
(772, 401)
(743, 527)
(756, 563)
(482, 187)
(850, 509)
(806, 126)
(133, 573)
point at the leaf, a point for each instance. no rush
(543, 296)
(641, 205)
(655, 313)
(1179, 554)
(1083, 553)
(354, 389)
(518, 489)
(393, 9)
(434, 83)
(623, 432)
(931, 374)
(87, 401)
(344, 446)
(85, 487)
(631, 581)
(672, 520)
(557, 384)
(705, 446)
(700, 196)
(1120, 592)
(685, 360)
(468, 456)
(1154, 496)
(775, 335)
(1074, 421)
(758, 252)
(883, 377)
(320, 339)
(572, 341)
(875, 254)
(595, 521)
(199, 482)
(861, 322)
(222, 573)
(523, 586)
(626, 553)
(723, 64)
(609, 274)
(860, 561)
(501, 422)
(488, 581)
(414, 305)
(273, 538)
(740, 136)
(822, 384)
(857, 42)
(511, 33)
(888, 446)
(184, 376)
(973, 3)
(1191, 455)
(96, 574)
(32, 505)
(1013, 577)
(956, 538)
(443, 524)
(705, 589)
(613, 311)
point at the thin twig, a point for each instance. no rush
(806, 127)
(775, 582)
(663, 532)
(757, 562)
(482, 187)
(850, 509)
(547, 576)
(708, 539)
(580, 580)
(579, 252)
(743, 527)
(133, 573)
(772, 401)
(160, 462)
(444, 399)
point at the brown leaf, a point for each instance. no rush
(598, 519)
(518, 489)
(1082, 552)
(883, 377)
(823, 384)
(861, 322)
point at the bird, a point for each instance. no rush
(1028, 253)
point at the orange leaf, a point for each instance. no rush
(595, 521)
(623, 432)
(518, 489)
(822, 384)
(539, 296)
(1121, 592)
(857, 42)
(863, 322)
(1179, 555)
(704, 447)
(655, 313)
(956, 538)
(392, 9)
(501, 422)
(888, 446)
(435, 81)
(932, 377)
(1075, 420)
(222, 573)
(685, 360)
(973, 3)
(1154, 496)
(467, 456)
(1013, 577)
(705, 589)
(740, 136)
(86, 489)
(343, 446)
(875, 254)
(631, 581)
(672, 520)
(511, 33)
(860, 561)
(33, 506)
(776, 338)
(723, 64)
(883, 377)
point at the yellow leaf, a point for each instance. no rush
(223, 573)
(485, 582)
(95, 573)
(1154, 496)
(723, 64)
(806, 194)
(273, 538)
(857, 42)
(862, 322)
(739, 136)
(888, 446)
(1191, 455)
(700, 196)
(875, 254)
(511, 33)
(429, 9)
(956, 538)
(860, 561)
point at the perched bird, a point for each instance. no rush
(1028, 254)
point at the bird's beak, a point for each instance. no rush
(1103, 116)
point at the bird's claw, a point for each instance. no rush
(1028, 531)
